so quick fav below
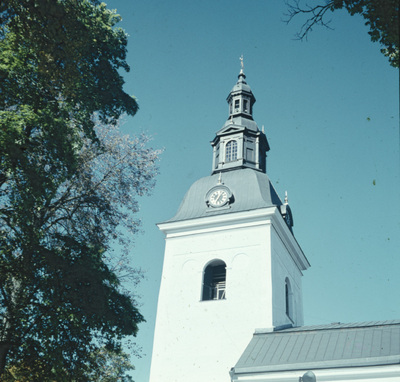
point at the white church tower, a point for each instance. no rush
(231, 264)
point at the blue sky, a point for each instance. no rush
(330, 111)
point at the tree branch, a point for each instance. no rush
(315, 15)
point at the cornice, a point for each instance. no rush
(265, 216)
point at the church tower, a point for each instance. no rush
(231, 263)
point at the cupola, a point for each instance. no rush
(240, 143)
(241, 99)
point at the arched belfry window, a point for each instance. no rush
(288, 299)
(231, 151)
(214, 281)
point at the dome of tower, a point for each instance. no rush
(250, 190)
(241, 84)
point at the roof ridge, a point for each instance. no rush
(338, 325)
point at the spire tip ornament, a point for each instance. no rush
(241, 64)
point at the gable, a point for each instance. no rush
(231, 129)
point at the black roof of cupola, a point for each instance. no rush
(240, 143)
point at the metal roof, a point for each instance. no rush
(322, 346)
(251, 190)
(241, 86)
(238, 122)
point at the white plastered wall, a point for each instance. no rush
(201, 340)
(284, 267)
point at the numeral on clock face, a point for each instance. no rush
(218, 197)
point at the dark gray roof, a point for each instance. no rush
(239, 122)
(241, 85)
(323, 346)
(251, 190)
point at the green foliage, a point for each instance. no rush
(69, 184)
(64, 52)
(106, 366)
(111, 367)
(60, 292)
(382, 17)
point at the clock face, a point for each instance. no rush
(218, 197)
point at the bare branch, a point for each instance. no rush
(315, 16)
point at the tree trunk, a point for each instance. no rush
(4, 349)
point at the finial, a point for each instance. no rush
(263, 129)
(241, 64)
(220, 178)
(286, 198)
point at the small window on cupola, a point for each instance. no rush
(237, 103)
(246, 106)
(231, 151)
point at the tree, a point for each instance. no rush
(69, 184)
(61, 298)
(109, 366)
(59, 63)
(382, 17)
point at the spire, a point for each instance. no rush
(240, 143)
(241, 98)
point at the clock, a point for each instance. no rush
(218, 196)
